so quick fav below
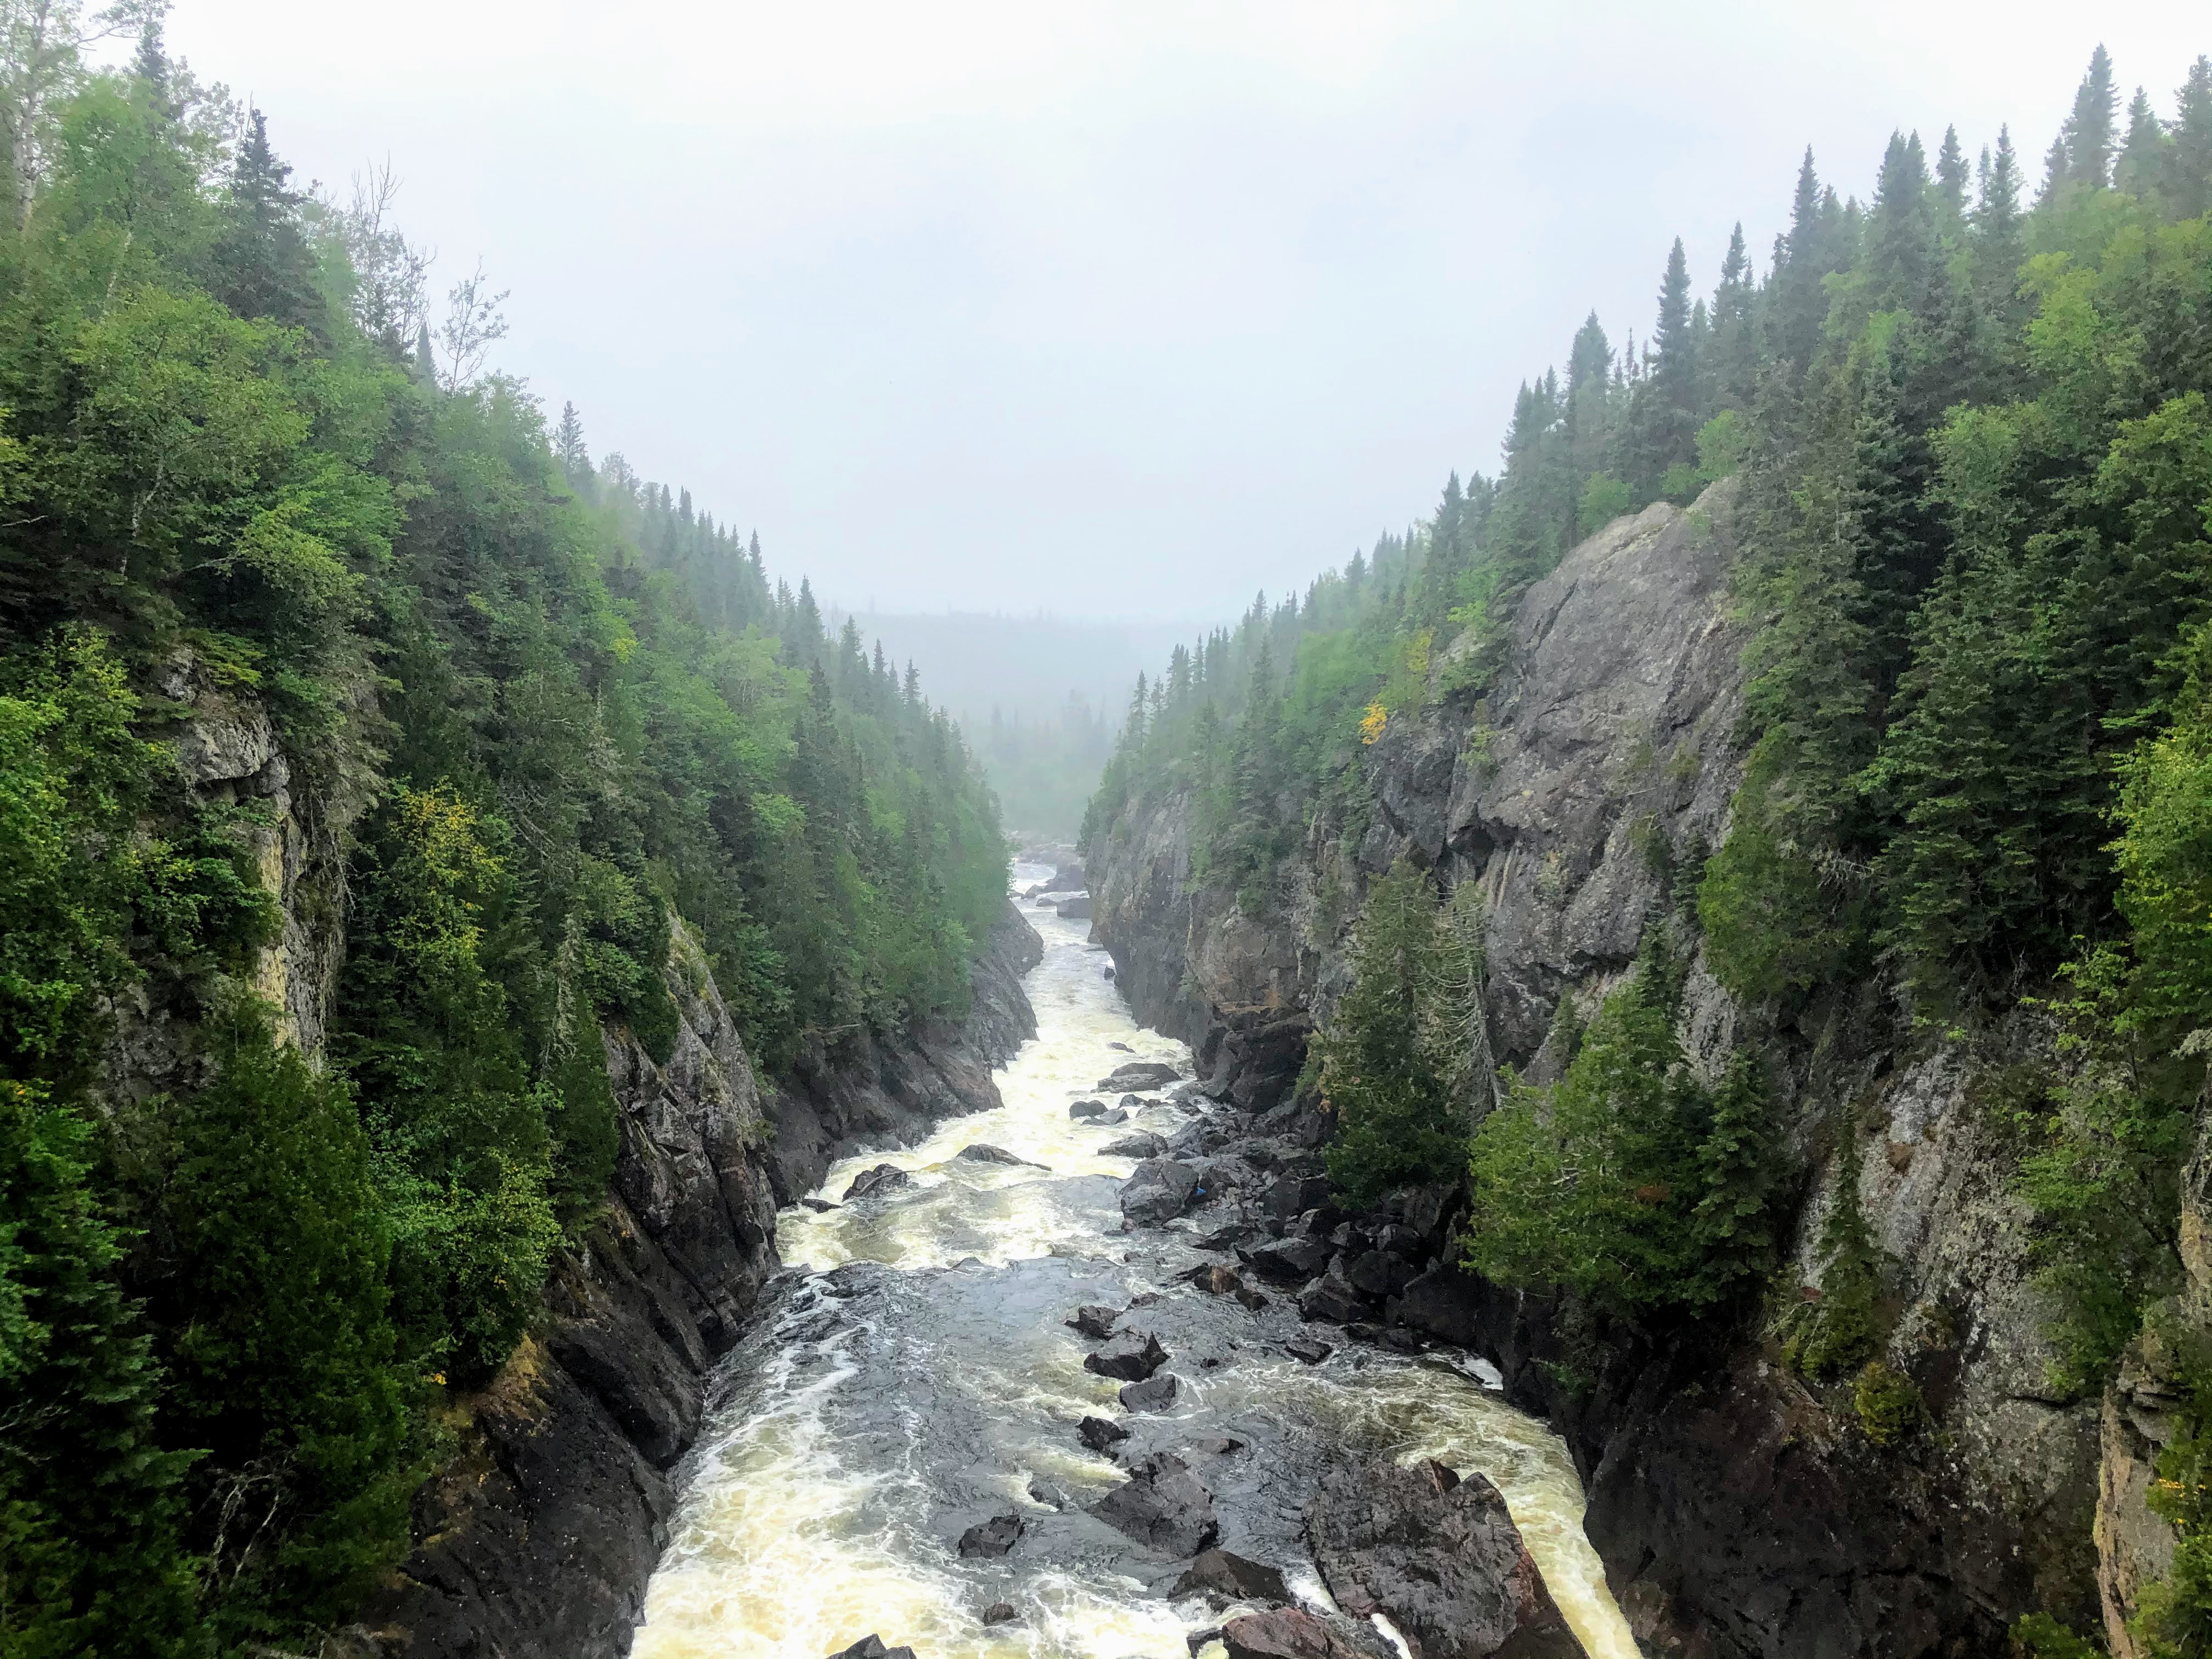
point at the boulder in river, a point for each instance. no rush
(1231, 1578)
(1158, 1190)
(1140, 1143)
(993, 1537)
(1154, 1394)
(820, 1205)
(1087, 1109)
(1129, 1358)
(870, 1646)
(983, 1152)
(1307, 1350)
(1293, 1633)
(1110, 1119)
(1075, 909)
(1332, 1300)
(1162, 1506)
(1043, 1490)
(1000, 1612)
(1138, 1074)
(1123, 1047)
(1436, 1555)
(1216, 1280)
(1095, 1321)
(883, 1178)
(1291, 1261)
(1100, 1434)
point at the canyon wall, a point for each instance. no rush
(1739, 1510)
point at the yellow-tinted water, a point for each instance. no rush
(922, 1380)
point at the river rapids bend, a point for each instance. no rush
(911, 1375)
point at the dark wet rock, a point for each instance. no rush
(1112, 1119)
(1141, 1143)
(1163, 1505)
(820, 1205)
(1108, 974)
(1087, 1109)
(1294, 1194)
(1100, 1434)
(1225, 1238)
(1231, 1578)
(1154, 1394)
(1000, 1612)
(1129, 1358)
(872, 1647)
(1123, 1047)
(1075, 909)
(1309, 1349)
(1251, 1299)
(1216, 1280)
(982, 1152)
(1138, 1074)
(1096, 1321)
(1289, 1260)
(1333, 1300)
(1438, 1556)
(1220, 1446)
(993, 1537)
(1374, 1273)
(1198, 1638)
(883, 1178)
(1293, 1633)
(1158, 1190)
(1132, 1102)
(1043, 1490)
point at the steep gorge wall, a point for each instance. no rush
(1738, 1509)
(535, 1538)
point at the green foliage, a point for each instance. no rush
(1628, 1182)
(1887, 1402)
(90, 1505)
(273, 1248)
(539, 723)
(2174, 1618)
(2039, 1636)
(1389, 1056)
(1832, 1328)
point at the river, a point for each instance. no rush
(913, 1376)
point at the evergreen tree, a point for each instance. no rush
(2088, 135)
(2187, 185)
(262, 264)
(2141, 165)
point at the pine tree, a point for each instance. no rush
(1734, 365)
(1903, 255)
(569, 450)
(1667, 412)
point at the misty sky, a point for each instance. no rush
(1117, 310)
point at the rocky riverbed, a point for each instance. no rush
(1050, 1384)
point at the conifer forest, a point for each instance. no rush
(397, 788)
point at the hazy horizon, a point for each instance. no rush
(965, 310)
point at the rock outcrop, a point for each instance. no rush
(890, 1093)
(1438, 1556)
(1739, 1510)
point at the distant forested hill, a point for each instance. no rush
(317, 646)
(1039, 696)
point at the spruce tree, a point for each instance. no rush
(1951, 184)
(262, 264)
(2187, 185)
(2088, 134)
(2141, 165)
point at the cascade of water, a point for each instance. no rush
(915, 1378)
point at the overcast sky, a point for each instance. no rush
(1113, 309)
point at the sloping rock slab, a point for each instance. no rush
(1438, 1556)
(1293, 1633)
(1158, 1190)
(1162, 1506)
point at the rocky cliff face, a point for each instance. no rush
(1739, 1511)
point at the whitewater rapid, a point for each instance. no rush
(913, 1376)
